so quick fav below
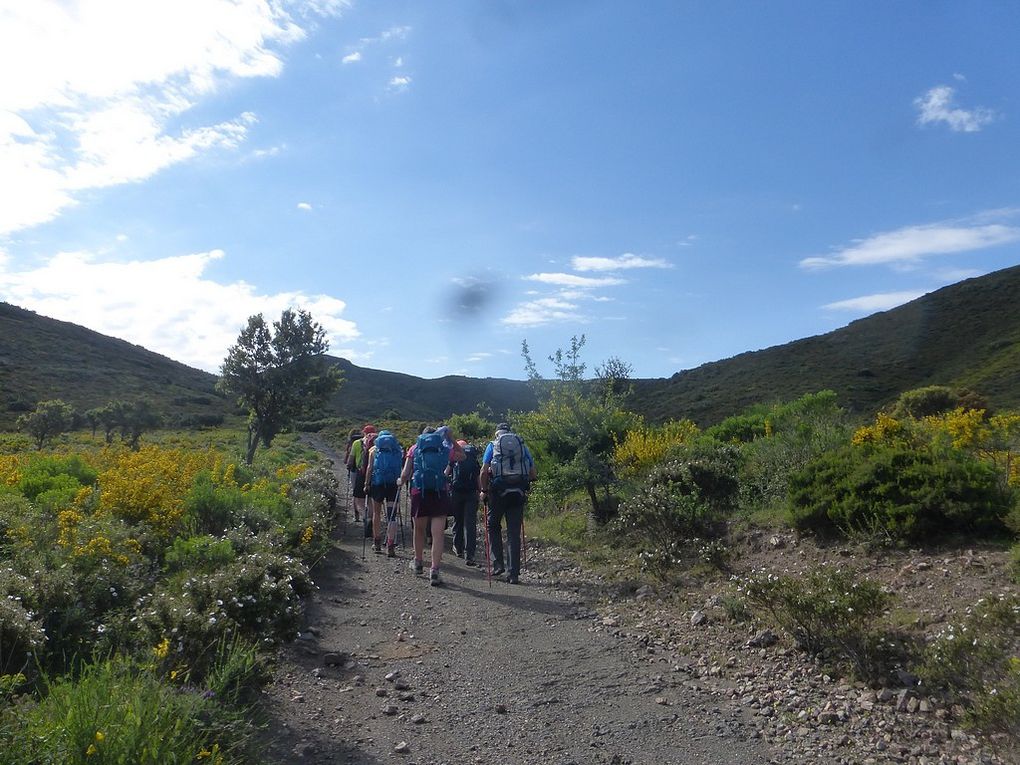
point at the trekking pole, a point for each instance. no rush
(524, 543)
(488, 556)
(392, 513)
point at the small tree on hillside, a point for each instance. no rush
(50, 419)
(138, 418)
(579, 422)
(278, 373)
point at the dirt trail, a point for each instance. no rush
(507, 674)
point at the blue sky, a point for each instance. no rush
(438, 181)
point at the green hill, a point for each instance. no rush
(42, 358)
(964, 335)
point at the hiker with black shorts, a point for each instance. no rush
(385, 462)
(507, 472)
(464, 503)
(351, 469)
(425, 467)
(359, 460)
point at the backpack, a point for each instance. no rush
(465, 472)
(430, 460)
(387, 460)
(366, 443)
(509, 466)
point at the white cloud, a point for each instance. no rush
(546, 310)
(937, 106)
(351, 58)
(913, 243)
(166, 305)
(625, 261)
(479, 357)
(402, 82)
(882, 301)
(573, 280)
(304, 206)
(102, 88)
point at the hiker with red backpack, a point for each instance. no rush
(464, 503)
(426, 466)
(385, 462)
(358, 461)
(507, 472)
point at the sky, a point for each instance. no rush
(438, 182)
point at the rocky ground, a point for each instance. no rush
(569, 668)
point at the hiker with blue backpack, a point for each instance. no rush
(464, 503)
(507, 473)
(426, 467)
(385, 462)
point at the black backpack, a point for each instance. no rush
(465, 472)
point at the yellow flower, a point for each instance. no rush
(100, 736)
(203, 754)
(91, 750)
(163, 649)
(307, 534)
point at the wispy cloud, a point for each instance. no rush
(304, 206)
(626, 261)
(76, 118)
(401, 82)
(937, 106)
(547, 310)
(914, 243)
(167, 305)
(882, 301)
(573, 280)
(351, 58)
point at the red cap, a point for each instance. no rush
(368, 429)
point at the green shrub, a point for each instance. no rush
(21, 633)
(975, 661)
(1014, 563)
(828, 612)
(238, 672)
(117, 713)
(199, 554)
(49, 473)
(210, 507)
(894, 489)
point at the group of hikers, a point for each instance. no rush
(445, 477)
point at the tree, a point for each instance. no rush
(579, 422)
(278, 374)
(50, 418)
(138, 418)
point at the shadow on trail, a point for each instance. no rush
(511, 598)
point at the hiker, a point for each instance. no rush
(426, 466)
(507, 472)
(351, 469)
(385, 461)
(464, 503)
(359, 461)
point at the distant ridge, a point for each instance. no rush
(964, 335)
(43, 358)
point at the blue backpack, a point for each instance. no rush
(431, 457)
(388, 459)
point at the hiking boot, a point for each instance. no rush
(377, 546)
(498, 569)
(512, 579)
(470, 562)
(417, 567)
(458, 551)
(434, 579)
(391, 550)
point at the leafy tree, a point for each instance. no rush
(50, 418)
(111, 416)
(932, 400)
(138, 418)
(471, 427)
(278, 373)
(578, 423)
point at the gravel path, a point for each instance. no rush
(391, 669)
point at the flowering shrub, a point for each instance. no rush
(975, 661)
(645, 446)
(828, 612)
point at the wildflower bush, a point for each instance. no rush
(143, 576)
(644, 446)
(828, 612)
(975, 661)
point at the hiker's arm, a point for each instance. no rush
(406, 472)
(483, 479)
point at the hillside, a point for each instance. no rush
(967, 334)
(369, 393)
(42, 358)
